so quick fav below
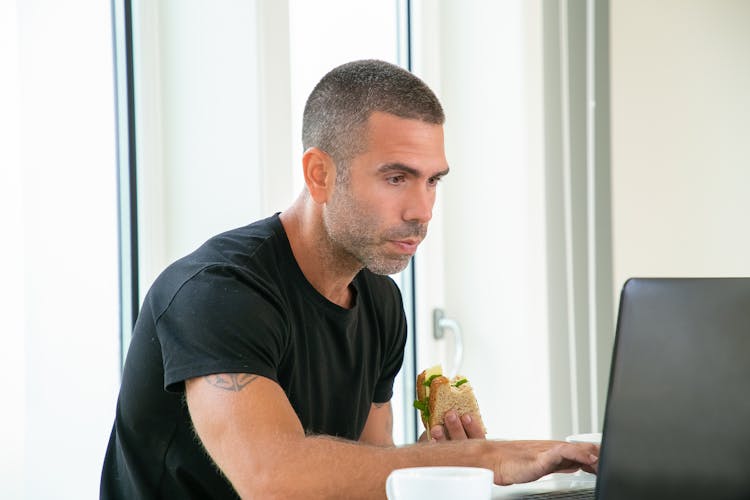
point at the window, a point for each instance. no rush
(60, 328)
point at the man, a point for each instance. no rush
(262, 364)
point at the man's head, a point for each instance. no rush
(374, 153)
(337, 110)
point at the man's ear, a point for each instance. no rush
(320, 174)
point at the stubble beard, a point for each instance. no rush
(354, 233)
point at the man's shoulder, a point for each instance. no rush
(250, 255)
(241, 242)
(235, 247)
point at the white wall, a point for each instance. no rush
(12, 296)
(680, 138)
(60, 356)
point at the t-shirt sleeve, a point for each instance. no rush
(395, 342)
(219, 323)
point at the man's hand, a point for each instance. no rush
(525, 461)
(456, 429)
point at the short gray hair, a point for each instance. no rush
(341, 103)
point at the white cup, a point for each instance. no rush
(439, 483)
(592, 437)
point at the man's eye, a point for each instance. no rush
(395, 179)
(433, 181)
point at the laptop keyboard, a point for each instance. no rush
(587, 494)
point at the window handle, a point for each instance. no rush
(440, 323)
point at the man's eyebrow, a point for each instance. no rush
(400, 167)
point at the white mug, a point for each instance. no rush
(439, 483)
(592, 437)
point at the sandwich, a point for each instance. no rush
(436, 395)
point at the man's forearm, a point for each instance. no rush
(325, 467)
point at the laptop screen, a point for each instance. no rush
(677, 421)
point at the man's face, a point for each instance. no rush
(380, 215)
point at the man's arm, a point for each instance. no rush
(379, 426)
(249, 428)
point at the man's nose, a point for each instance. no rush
(419, 205)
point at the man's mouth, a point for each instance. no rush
(407, 238)
(407, 246)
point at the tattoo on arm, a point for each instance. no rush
(233, 382)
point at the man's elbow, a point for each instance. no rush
(268, 479)
(263, 484)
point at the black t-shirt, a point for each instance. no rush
(240, 304)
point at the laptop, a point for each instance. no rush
(677, 420)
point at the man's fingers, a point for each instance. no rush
(472, 427)
(438, 433)
(574, 455)
(457, 428)
(593, 469)
(454, 427)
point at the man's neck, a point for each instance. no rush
(328, 272)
